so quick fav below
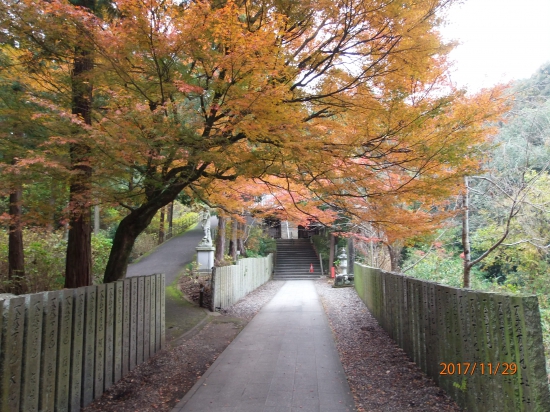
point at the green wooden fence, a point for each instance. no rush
(61, 350)
(485, 349)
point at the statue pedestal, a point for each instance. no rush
(205, 258)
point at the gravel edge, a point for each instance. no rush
(381, 376)
(251, 304)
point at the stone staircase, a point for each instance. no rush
(294, 259)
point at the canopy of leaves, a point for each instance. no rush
(335, 106)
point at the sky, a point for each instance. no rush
(501, 40)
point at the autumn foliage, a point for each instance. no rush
(327, 107)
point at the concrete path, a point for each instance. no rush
(285, 360)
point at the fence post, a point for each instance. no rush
(12, 351)
(31, 352)
(213, 290)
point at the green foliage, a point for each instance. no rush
(192, 270)
(45, 259)
(144, 243)
(184, 222)
(322, 246)
(259, 243)
(521, 270)
(101, 248)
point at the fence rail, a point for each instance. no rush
(441, 327)
(60, 350)
(231, 283)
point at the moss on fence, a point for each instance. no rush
(485, 349)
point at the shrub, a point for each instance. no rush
(44, 260)
(45, 253)
(144, 243)
(259, 243)
(101, 248)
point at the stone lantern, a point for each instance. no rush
(343, 279)
(343, 258)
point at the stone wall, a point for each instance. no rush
(231, 283)
(469, 342)
(61, 350)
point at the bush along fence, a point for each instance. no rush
(231, 283)
(61, 350)
(485, 349)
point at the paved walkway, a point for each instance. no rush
(285, 360)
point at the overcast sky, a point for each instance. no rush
(501, 40)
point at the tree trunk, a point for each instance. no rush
(96, 220)
(331, 252)
(16, 261)
(161, 227)
(351, 255)
(52, 223)
(128, 230)
(132, 225)
(233, 243)
(170, 219)
(78, 269)
(395, 257)
(241, 228)
(466, 236)
(220, 240)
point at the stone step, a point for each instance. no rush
(298, 264)
(291, 251)
(294, 259)
(296, 277)
(291, 255)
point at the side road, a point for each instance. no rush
(171, 258)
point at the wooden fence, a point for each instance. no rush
(61, 350)
(485, 349)
(231, 283)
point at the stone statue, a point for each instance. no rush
(205, 222)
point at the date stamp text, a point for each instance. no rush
(483, 368)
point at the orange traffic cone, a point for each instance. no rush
(311, 268)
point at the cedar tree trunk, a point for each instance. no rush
(78, 269)
(331, 253)
(16, 261)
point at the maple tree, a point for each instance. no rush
(338, 105)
